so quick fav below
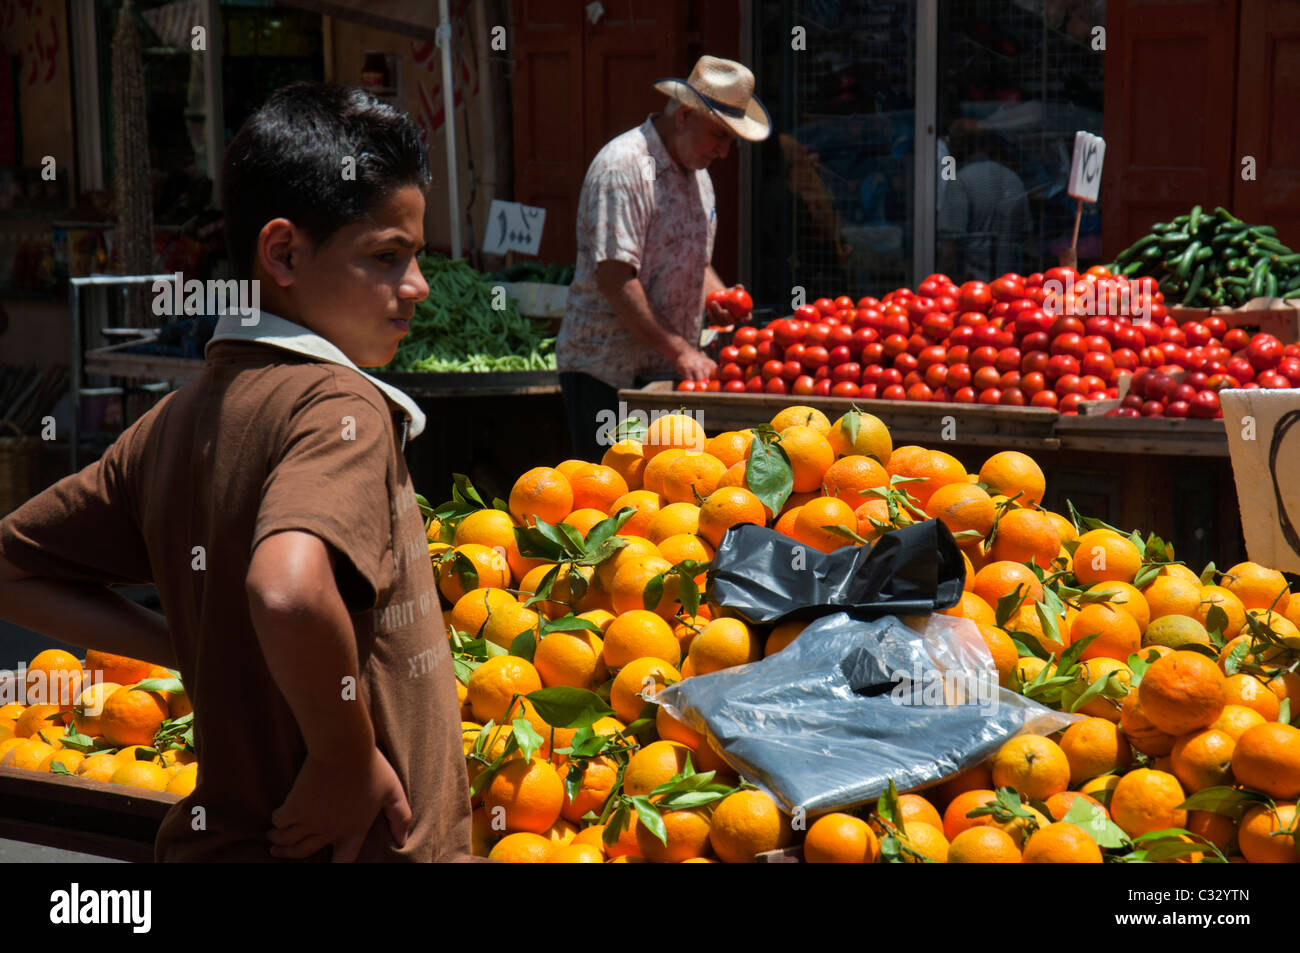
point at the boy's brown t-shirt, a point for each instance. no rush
(267, 440)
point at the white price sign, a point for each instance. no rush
(513, 227)
(1085, 170)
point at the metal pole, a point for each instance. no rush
(449, 125)
(925, 139)
(74, 364)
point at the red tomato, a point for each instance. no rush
(920, 391)
(787, 331)
(934, 354)
(1069, 344)
(841, 354)
(840, 334)
(745, 335)
(1264, 352)
(825, 306)
(1097, 344)
(936, 375)
(958, 376)
(972, 319)
(1061, 364)
(963, 334)
(802, 385)
(974, 296)
(1034, 361)
(986, 377)
(1032, 383)
(958, 354)
(895, 345)
(772, 369)
(1008, 359)
(791, 369)
(868, 302)
(688, 386)
(868, 391)
(845, 389)
(738, 302)
(1067, 324)
(1038, 341)
(1125, 358)
(731, 372)
(1102, 365)
(1045, 398)
(906, 362)
(754, 385)
(1007, 288)
(852, 371)
(814, 356)
(987, 335)
(823, 388)
(1013, 397)
(896, 324)
(1009, 379)
(1091, 383)
(1067, 384)
(806, 312)
(990, 396)
(873, 353)
(891, 375)
(1272, 380)
(1235, 338)
(746, 354)
(985, 356)
(964, 395)
(894, 392)
(776, 386)
(937, 325)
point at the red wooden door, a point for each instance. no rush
(1268, 117)
(1170, 96)
(548, 117)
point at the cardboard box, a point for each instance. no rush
(1264, 444)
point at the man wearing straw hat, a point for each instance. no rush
(646, 224)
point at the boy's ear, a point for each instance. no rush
(276, 244)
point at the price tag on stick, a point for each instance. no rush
(1085, 183)
(513, 227)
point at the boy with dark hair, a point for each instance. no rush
(270, 503)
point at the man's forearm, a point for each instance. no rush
(632, 309)
(711, 281)
(87, 615)
(309, 644)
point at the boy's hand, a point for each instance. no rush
(334, 804)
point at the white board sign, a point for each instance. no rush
(1085, 169)
(513, 227)
(1264, 445)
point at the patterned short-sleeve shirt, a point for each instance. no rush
(640, 207)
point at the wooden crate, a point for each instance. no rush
(1146, 435)
(77, 814)
(930, 424)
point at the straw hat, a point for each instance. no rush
(726, 89)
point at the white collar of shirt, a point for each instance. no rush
(656, 148)
(278, 332)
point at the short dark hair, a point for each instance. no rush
(288, 159)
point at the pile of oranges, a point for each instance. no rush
(100, 721)
(1184, 683)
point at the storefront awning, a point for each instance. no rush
(417, 18)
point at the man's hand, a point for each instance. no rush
(334, 803)
(717, 312)
(692, 364)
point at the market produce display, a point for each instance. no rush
(1214, 260)
(459, 328)
(1049, 340)
(571, 603)
(109, 718)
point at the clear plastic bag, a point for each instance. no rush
(830, 720)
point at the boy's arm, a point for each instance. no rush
(85, 614)
(307, 639)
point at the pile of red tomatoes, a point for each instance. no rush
(1011, 342)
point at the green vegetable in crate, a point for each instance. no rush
(1213, 260)
(458, 329)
